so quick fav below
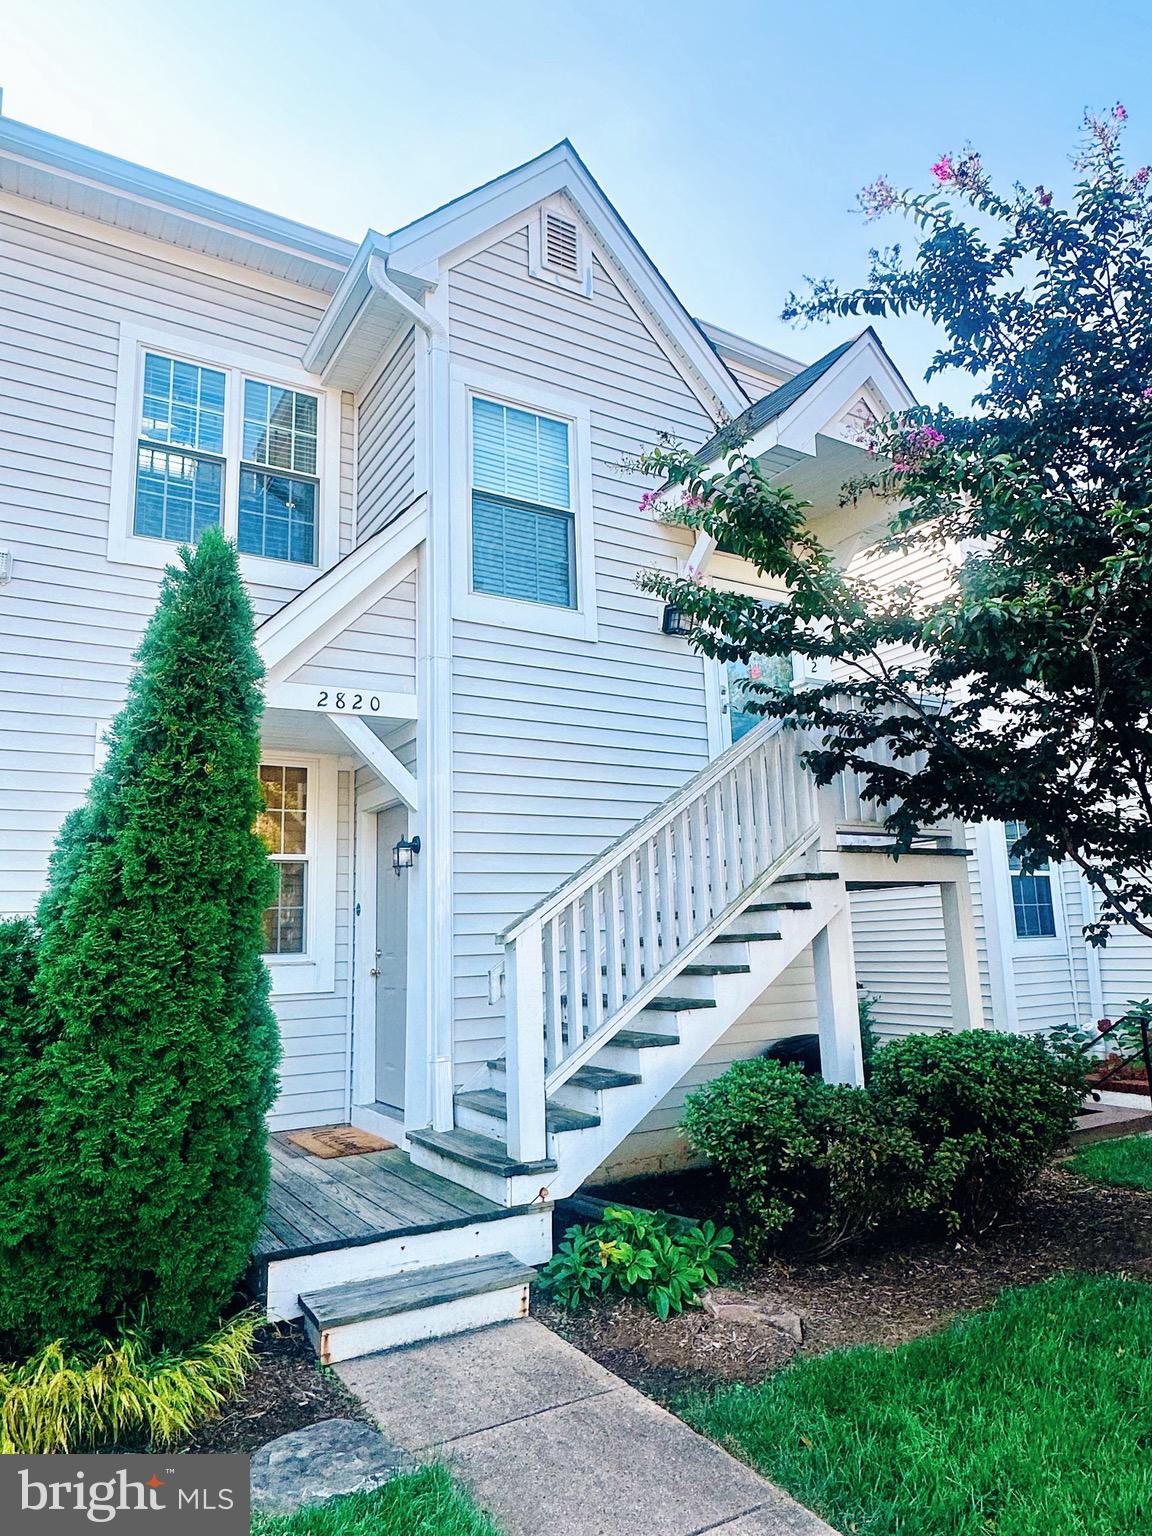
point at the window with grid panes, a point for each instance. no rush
(283, 825)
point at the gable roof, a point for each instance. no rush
(415, 252)
(779, 401)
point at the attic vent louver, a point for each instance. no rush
(561, 243)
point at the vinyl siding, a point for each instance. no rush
(314, 1027)
(560, 745)
(787, 1007)
(70, 619)
(755, 382)
(377, 650)
(901, 957)
(386, 442)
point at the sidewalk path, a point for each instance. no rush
(554, 1445)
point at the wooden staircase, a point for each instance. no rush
(618, 982)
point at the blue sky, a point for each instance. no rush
(732, 136)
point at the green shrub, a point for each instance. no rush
(801, 1157)
(987, 1110)
(62, 1401)
(159, 1045)
(661, 1261)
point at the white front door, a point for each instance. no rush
(391, 960)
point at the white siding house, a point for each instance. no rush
(607, 887)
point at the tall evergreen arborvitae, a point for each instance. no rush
(161, 1046)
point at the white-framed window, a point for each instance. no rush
(523, 526)
(283, 826)
(298, 826)
(206, 438)
(522, 486)
(1034, 902)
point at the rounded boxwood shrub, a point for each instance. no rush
(987, 1111)
(803, 1158)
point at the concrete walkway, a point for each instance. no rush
(554, 1445)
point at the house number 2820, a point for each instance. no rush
(354, 703)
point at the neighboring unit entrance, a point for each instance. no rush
(391, 960)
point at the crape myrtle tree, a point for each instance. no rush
(153, 1046)
(1043, 646)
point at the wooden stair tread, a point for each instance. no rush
(677, 1005)
(744, 938)
(801, 875)
(779, 906)
(360, 1301)
(641, 1039)
(716, 969)
(588, 1076)
(476, 1151)
(558, 1117)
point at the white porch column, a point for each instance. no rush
(960, 947)
(837, 1009)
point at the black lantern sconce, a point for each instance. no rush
(404, 854)
(675, 623)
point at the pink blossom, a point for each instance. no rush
(1120, 113)
(1146, 394)
(1043, 197)
(649, 500)
(1140, 178)
(878, 198)
(900, 469)
(944, 170)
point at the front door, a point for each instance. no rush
(391, 960)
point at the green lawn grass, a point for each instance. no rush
(1033, 1418)
(425, 1503)
(1125, 1162)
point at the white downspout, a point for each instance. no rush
(429, 1079)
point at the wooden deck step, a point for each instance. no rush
(801, 875)
(558, 1117)
(596, 1078)
(367, 1316)
(476, 1151)
(702, 969)
(779, 906)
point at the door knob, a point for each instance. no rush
(375, 971)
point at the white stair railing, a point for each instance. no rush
(596, 951)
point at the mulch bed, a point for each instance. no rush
(287, 1390)
(879, 1294)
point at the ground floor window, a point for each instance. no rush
(1033, 909)
(283, 824)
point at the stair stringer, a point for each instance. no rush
(579, 1153)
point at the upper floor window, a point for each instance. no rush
(523, 522)
(1033, 908)
(204, 430)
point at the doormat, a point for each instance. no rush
(339, 1141)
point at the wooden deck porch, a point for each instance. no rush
(318, 1204)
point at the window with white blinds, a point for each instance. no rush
(523, 524)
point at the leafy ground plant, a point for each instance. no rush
(665, 1263)
(1125, 1163)
(426, 1503)
(1024, 1420)
(59, 1401)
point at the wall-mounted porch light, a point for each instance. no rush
(404, 854)
(675, 623)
